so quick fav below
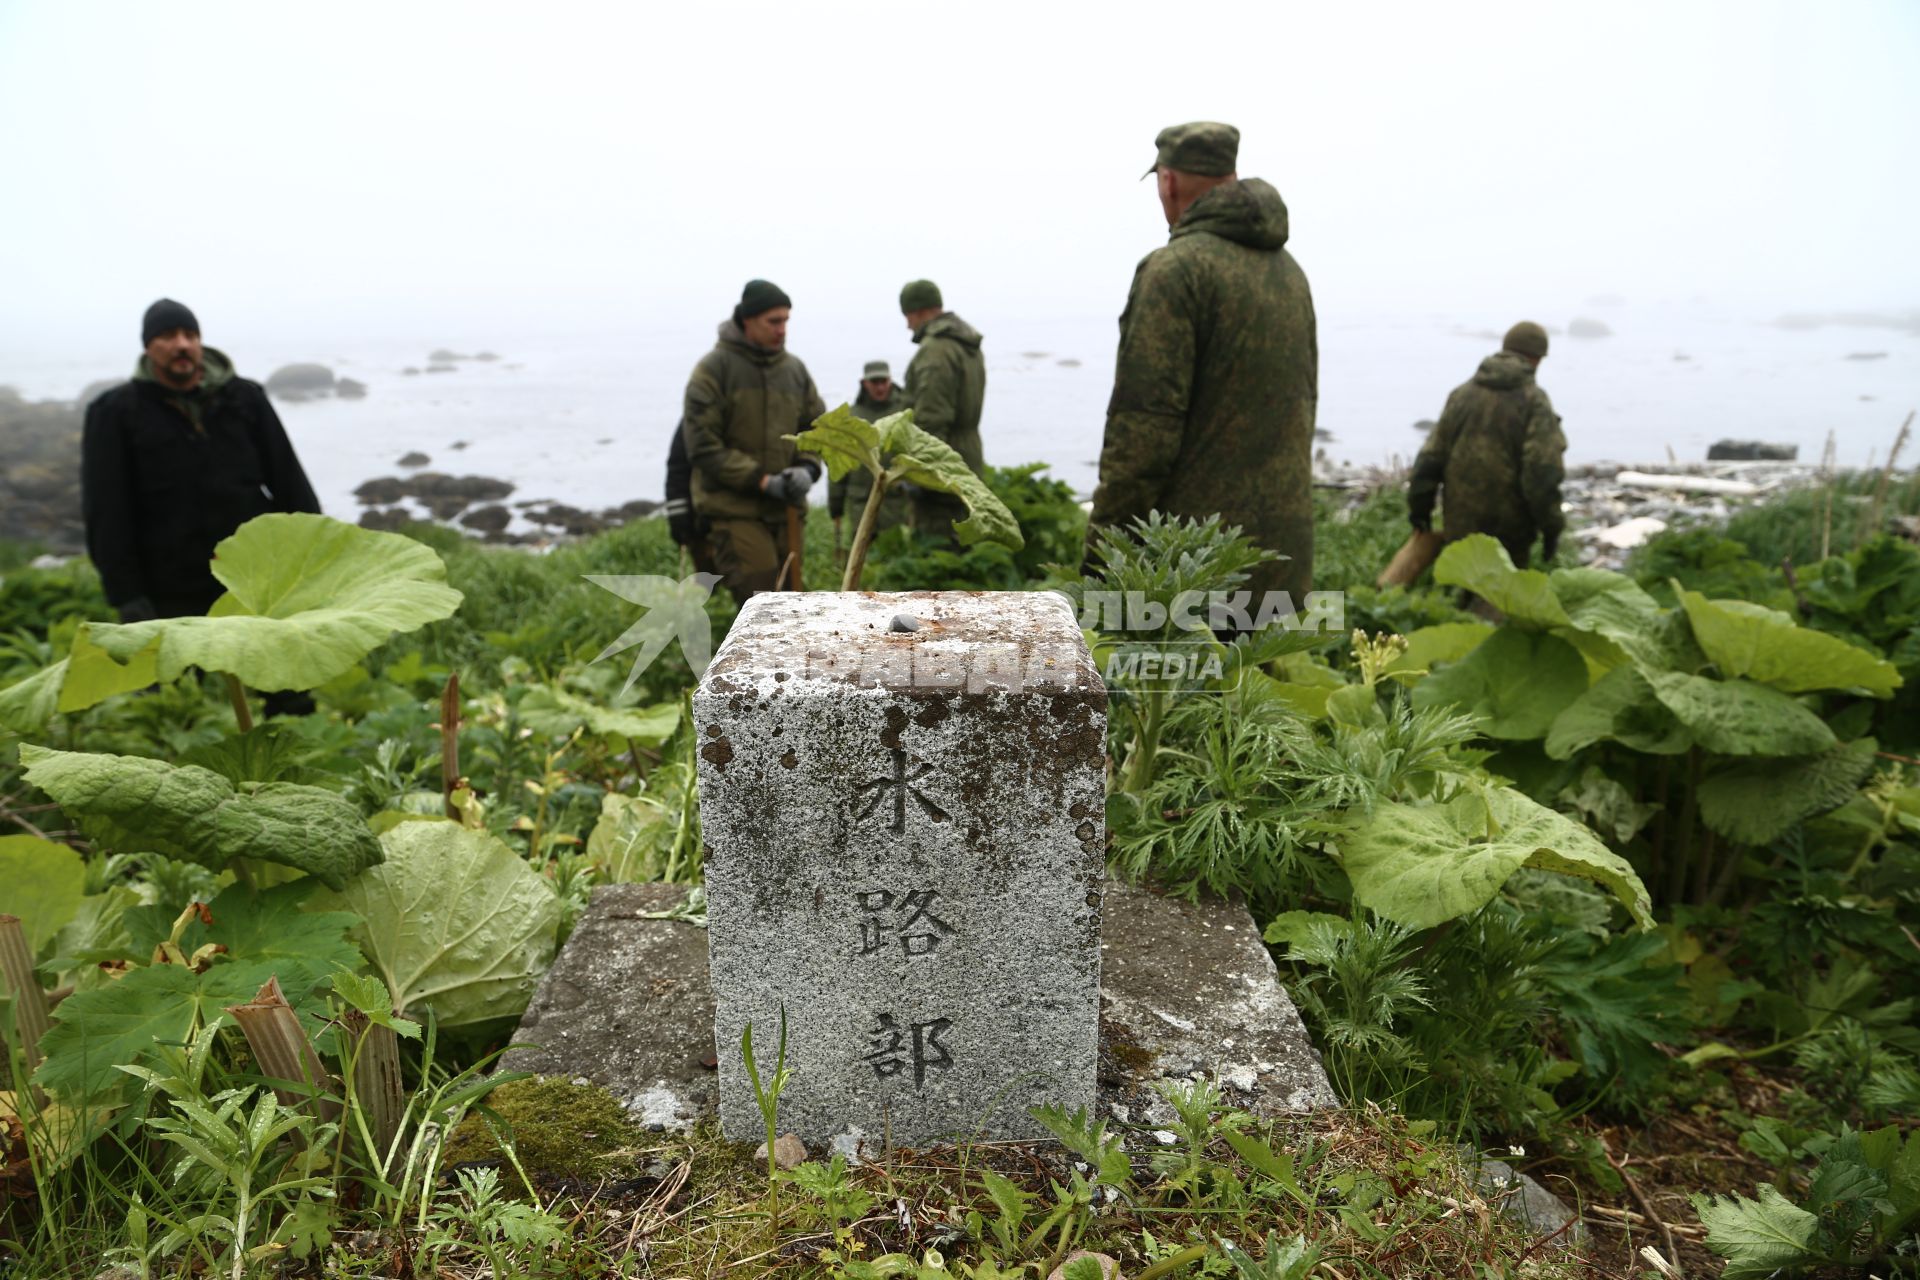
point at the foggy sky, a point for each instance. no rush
(413, 168)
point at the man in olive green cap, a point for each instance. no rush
(1216, 384)
(879, 397)
(1496, 455)
(946, 387)
(744, 397)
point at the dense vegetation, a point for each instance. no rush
(1641, 860)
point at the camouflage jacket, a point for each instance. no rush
(741, 400)
(1494, 459)
(947, 385)
(847, 496)
(1217, 381)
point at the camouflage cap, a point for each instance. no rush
(1527, 339)
(876, 369)
(917, 295)
(1203, 147)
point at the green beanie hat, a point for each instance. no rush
(1527, 339)
(758, 296)
(917, 295)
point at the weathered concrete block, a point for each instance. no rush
(1189, 989)
(627, 1006)
(902, 802)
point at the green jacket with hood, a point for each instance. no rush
(1217, 382)
(742, 400)
(1494, 459)
(947, 385)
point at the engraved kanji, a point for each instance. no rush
(889, 1054)
(869, 796)
(912, 908)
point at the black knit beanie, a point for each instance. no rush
(165, 316)
(758, 296)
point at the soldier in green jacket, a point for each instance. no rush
(744, 398)
(1495, 456)
(946, 387)
(1216, 383)
(879, 397)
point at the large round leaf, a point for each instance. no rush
(1481, 565)
(1515, 681)
(1740, 718)
(453, 921)
(42, 883)
(1620, 707)
(307, 598)
(194, 814)
(1763, 644)
(909, 453)
(1422, 865)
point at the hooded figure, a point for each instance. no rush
(1216, 383)
(174, 461)
(946, 389)
(1495, 457)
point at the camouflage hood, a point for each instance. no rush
(733, 337)
(1246, 211)
(949, 325)
(216, 372)
(1503, 371)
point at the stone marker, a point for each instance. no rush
(904, 831)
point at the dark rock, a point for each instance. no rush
(442, 368)
(492, 518)
(300, 382)
(1523, 1200)
(413, 459)
(570, 519)
(386, 519)
(446, 506)
(904, 623)
(411, 371)
(1068, 363)
(458, 444)
(349, 389)
(435, 484)
(638, 509)
(1035, 355)
(387, 489)
(1425, 425)
(485, 357)
(1587, 327)
(443, 356)
(1751, 451)
(1867, 355)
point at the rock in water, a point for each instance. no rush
(349, 389)
(1751, 451)
(413, 459)
(1588, 327)
(301, 382)
(492, 518)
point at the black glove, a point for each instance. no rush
(139, 609)
(1549, 544)
(680, 521)
(790, 486)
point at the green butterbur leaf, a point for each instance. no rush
(26, 705)
(557, 713)
(194, 814)
(1740, 718)
(307, 598)
(1516, 682)
(916, 457)
(453, 921)
(1481, 565)
(1762, 644)
(1421, 865)
(1756, 801)
(42, 883)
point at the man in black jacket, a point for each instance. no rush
(174, 461)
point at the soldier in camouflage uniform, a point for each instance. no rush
(946, 388)
(1218, 374)
(879, 397)
(744, 397)
(1495, 455)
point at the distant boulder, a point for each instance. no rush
(411, 371)
(1751, 451)
(385, 489)
(444, 356)
(1425, 425)
(435, 484)
(385, 519)
(485, 357)
(413, 459)
(638, 509)
(443, 367)
(300, 382)
(1588, 327)
(1866, 355)
(492, 518)
(348, 389)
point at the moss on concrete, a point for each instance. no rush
(558, 1128)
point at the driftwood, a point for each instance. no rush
(1414, 558)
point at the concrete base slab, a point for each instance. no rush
(1186, 990)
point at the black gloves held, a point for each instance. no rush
(679, 513)
(790, 486)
